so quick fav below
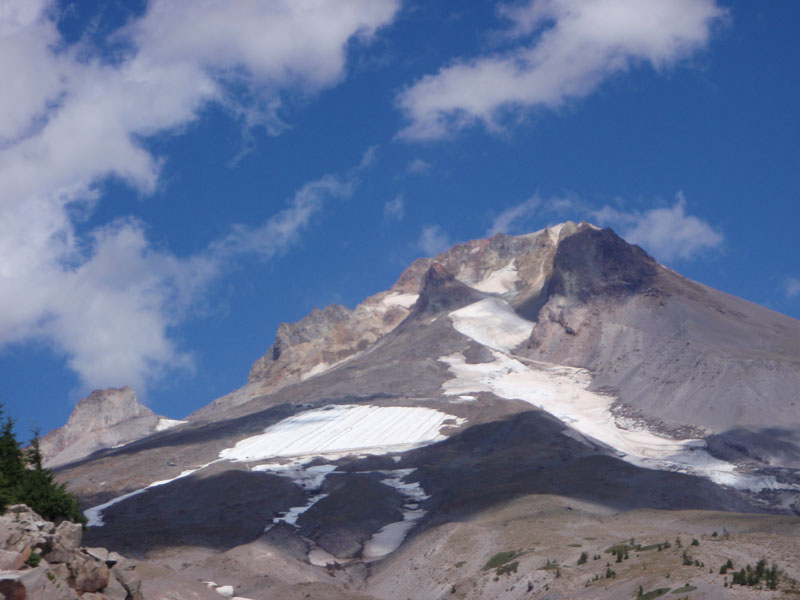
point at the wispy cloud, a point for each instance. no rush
(281, 231)
(418, 166)
(510, 220)
(394, 210)
(433, 240)
(565, 50)
(69, 119)
(667, 233)
(791, 287)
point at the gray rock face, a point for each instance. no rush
(105, 419)
(671, 349)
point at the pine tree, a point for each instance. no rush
(23, 479)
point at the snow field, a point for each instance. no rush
(344, 428)
(333, 431)
(492, 322)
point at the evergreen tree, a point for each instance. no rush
(23, 479)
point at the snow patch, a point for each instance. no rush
(389, 538)
(344, 429)
(492, 322)
(404, 300)
(291, 516)
(164, 424)
(501, 281)
(561, 391)
(308, 478)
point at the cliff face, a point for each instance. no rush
(106, 418)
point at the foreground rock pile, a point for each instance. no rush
(42, 561)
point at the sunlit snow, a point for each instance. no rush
(337, 429)
(164, 424)
(404, 300)
(501, 281)
(492, 322)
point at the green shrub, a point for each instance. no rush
(500, 559)
(507, 569)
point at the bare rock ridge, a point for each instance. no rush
(104, 419)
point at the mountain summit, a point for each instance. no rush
(105, 419)
(505, 378)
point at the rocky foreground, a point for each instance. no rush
(40, 560)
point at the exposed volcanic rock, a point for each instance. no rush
(595, 262)
(673, 351)
(104, 419)
(442, 291)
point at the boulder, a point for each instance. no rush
(124, 572)
(88, 574)
(114, 590)
(100, 554)
(70, 534)
(11, 561)
(33, 584)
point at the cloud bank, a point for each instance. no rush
(562, 49)
(70, 118)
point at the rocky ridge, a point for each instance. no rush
(105, 419)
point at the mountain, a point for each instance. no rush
(105, 419)
(465, 432)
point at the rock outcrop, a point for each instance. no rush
(40, 560)
(105, 419)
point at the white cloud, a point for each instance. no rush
(419, 166)
(566, 49)
(394, 210)
(791, 287)
(667, 233)
(69, 119)
(433, 240)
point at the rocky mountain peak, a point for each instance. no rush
(442, 291)
(106, 408)
(597, 261)
(104, 419)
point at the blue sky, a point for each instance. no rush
(176, 179)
